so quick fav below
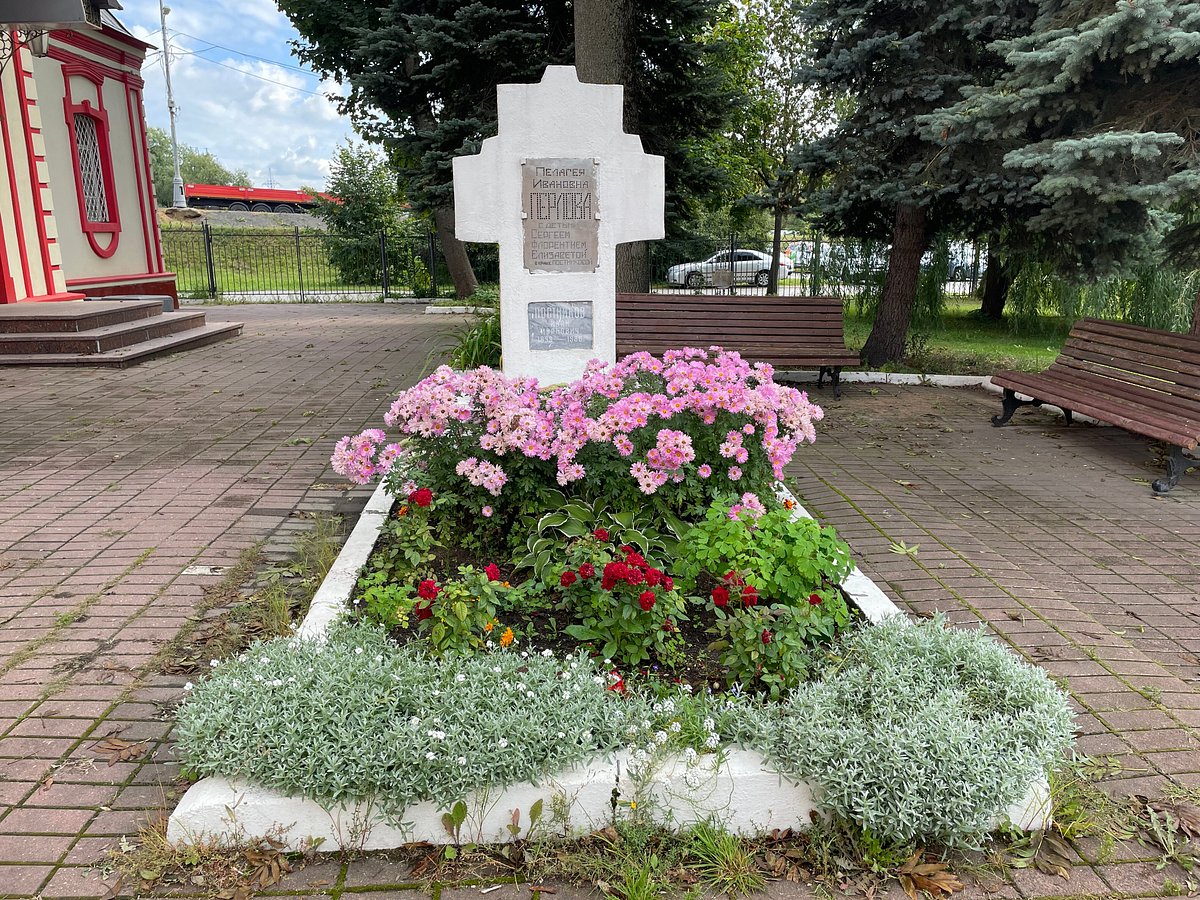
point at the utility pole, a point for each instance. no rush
(177, 198)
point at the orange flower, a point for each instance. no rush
(403, 511)
(789, 504)
(506, 639)
(489, 626)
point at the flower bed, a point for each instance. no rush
(598, 591)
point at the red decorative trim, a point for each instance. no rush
(53, 298)
(89, 44)
(14, 197)
(119, 279)
(34, 180)
(134, 132)
(148, 285)
(68, 57)
(99, 115)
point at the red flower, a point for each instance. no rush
(421, 497)
(668, 583)
(600, 534)
(428, 589)
(423, 612)
(766, 636)
(653, 577)
(567, 578)
(749, 595)
(635, 559)
(614, 572)
(669, 627)
(814, 599)
(626, 548)
(492, 571)
(616, 682)
(733, 577)
(635, 576)
(587, 570)
(720, 596)
(646, 600)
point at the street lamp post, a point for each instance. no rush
(177, 197)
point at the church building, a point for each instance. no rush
(77, 212)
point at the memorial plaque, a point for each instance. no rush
(561, 215)
(560, 325)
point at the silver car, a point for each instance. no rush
(749, 267)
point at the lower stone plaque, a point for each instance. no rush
(560, 325)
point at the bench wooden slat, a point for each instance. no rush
(1128, 360)
(1080, 400)
(1144, 387)
(798, 332)
(1172, 344)
(1153, 408)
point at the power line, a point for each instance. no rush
(290, 87)
(240, 53)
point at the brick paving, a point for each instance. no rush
(112, 483)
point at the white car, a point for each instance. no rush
(749, 267)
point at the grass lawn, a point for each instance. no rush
(965, 344)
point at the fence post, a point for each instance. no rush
(209, 268)
(732, 254)
(299, 262)
(433, 285)
(383, 261)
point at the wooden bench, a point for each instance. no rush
(787, 332)
(1140, 379)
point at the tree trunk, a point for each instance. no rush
(996, 281)
(604, 54)
(886, 342)
(461, 272)
(776, 249)
(1195, 332)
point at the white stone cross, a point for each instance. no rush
(559, 187)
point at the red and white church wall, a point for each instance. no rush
(76, 199)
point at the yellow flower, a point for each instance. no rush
(506, 639)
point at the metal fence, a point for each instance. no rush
(306, 265)
(812, 265)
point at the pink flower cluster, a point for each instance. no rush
(355, 456)
(482, 473)
(485, 417)
(750, 507)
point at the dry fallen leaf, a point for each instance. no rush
(117, 750)
(934, 878)
(269, 866)
(1185, 815)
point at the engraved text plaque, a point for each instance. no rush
(560, 215)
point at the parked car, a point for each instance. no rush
(749, 267)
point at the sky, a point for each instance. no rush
(281, 129)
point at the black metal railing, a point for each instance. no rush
(307, 265)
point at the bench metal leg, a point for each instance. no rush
(1176, 466)
(1011, 405)
(835, 378)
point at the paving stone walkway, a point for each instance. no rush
(112, 483)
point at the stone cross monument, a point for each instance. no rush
(559, 187)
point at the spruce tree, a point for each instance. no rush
(1094, 121)
(883, 177)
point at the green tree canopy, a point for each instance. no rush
(196, 166)
(1093, 125)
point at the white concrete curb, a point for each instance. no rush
(455, 310)
(736, 787)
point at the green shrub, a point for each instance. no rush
(478, 344)
(354, 716)
(922, 734)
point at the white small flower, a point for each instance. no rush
(188, 686)
(709, 725)
(712, 742)
(264, 660)
(496, 669)
(414, 721)
(566, 695)
(502, 743)
(490, 645)
(547, 653)
(379, 657)
(645, 723)
(431, 755)
(675, 727)
(460, 678)
(660, 737)
(462, 760)
(213, 663)
(669, 705)
(436, 693)
(278, 682)
(358, 651)
(690, 755)
(561, 735)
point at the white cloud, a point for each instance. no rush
(250, 114)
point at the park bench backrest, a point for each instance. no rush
(777, 330)
(1157, 369)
